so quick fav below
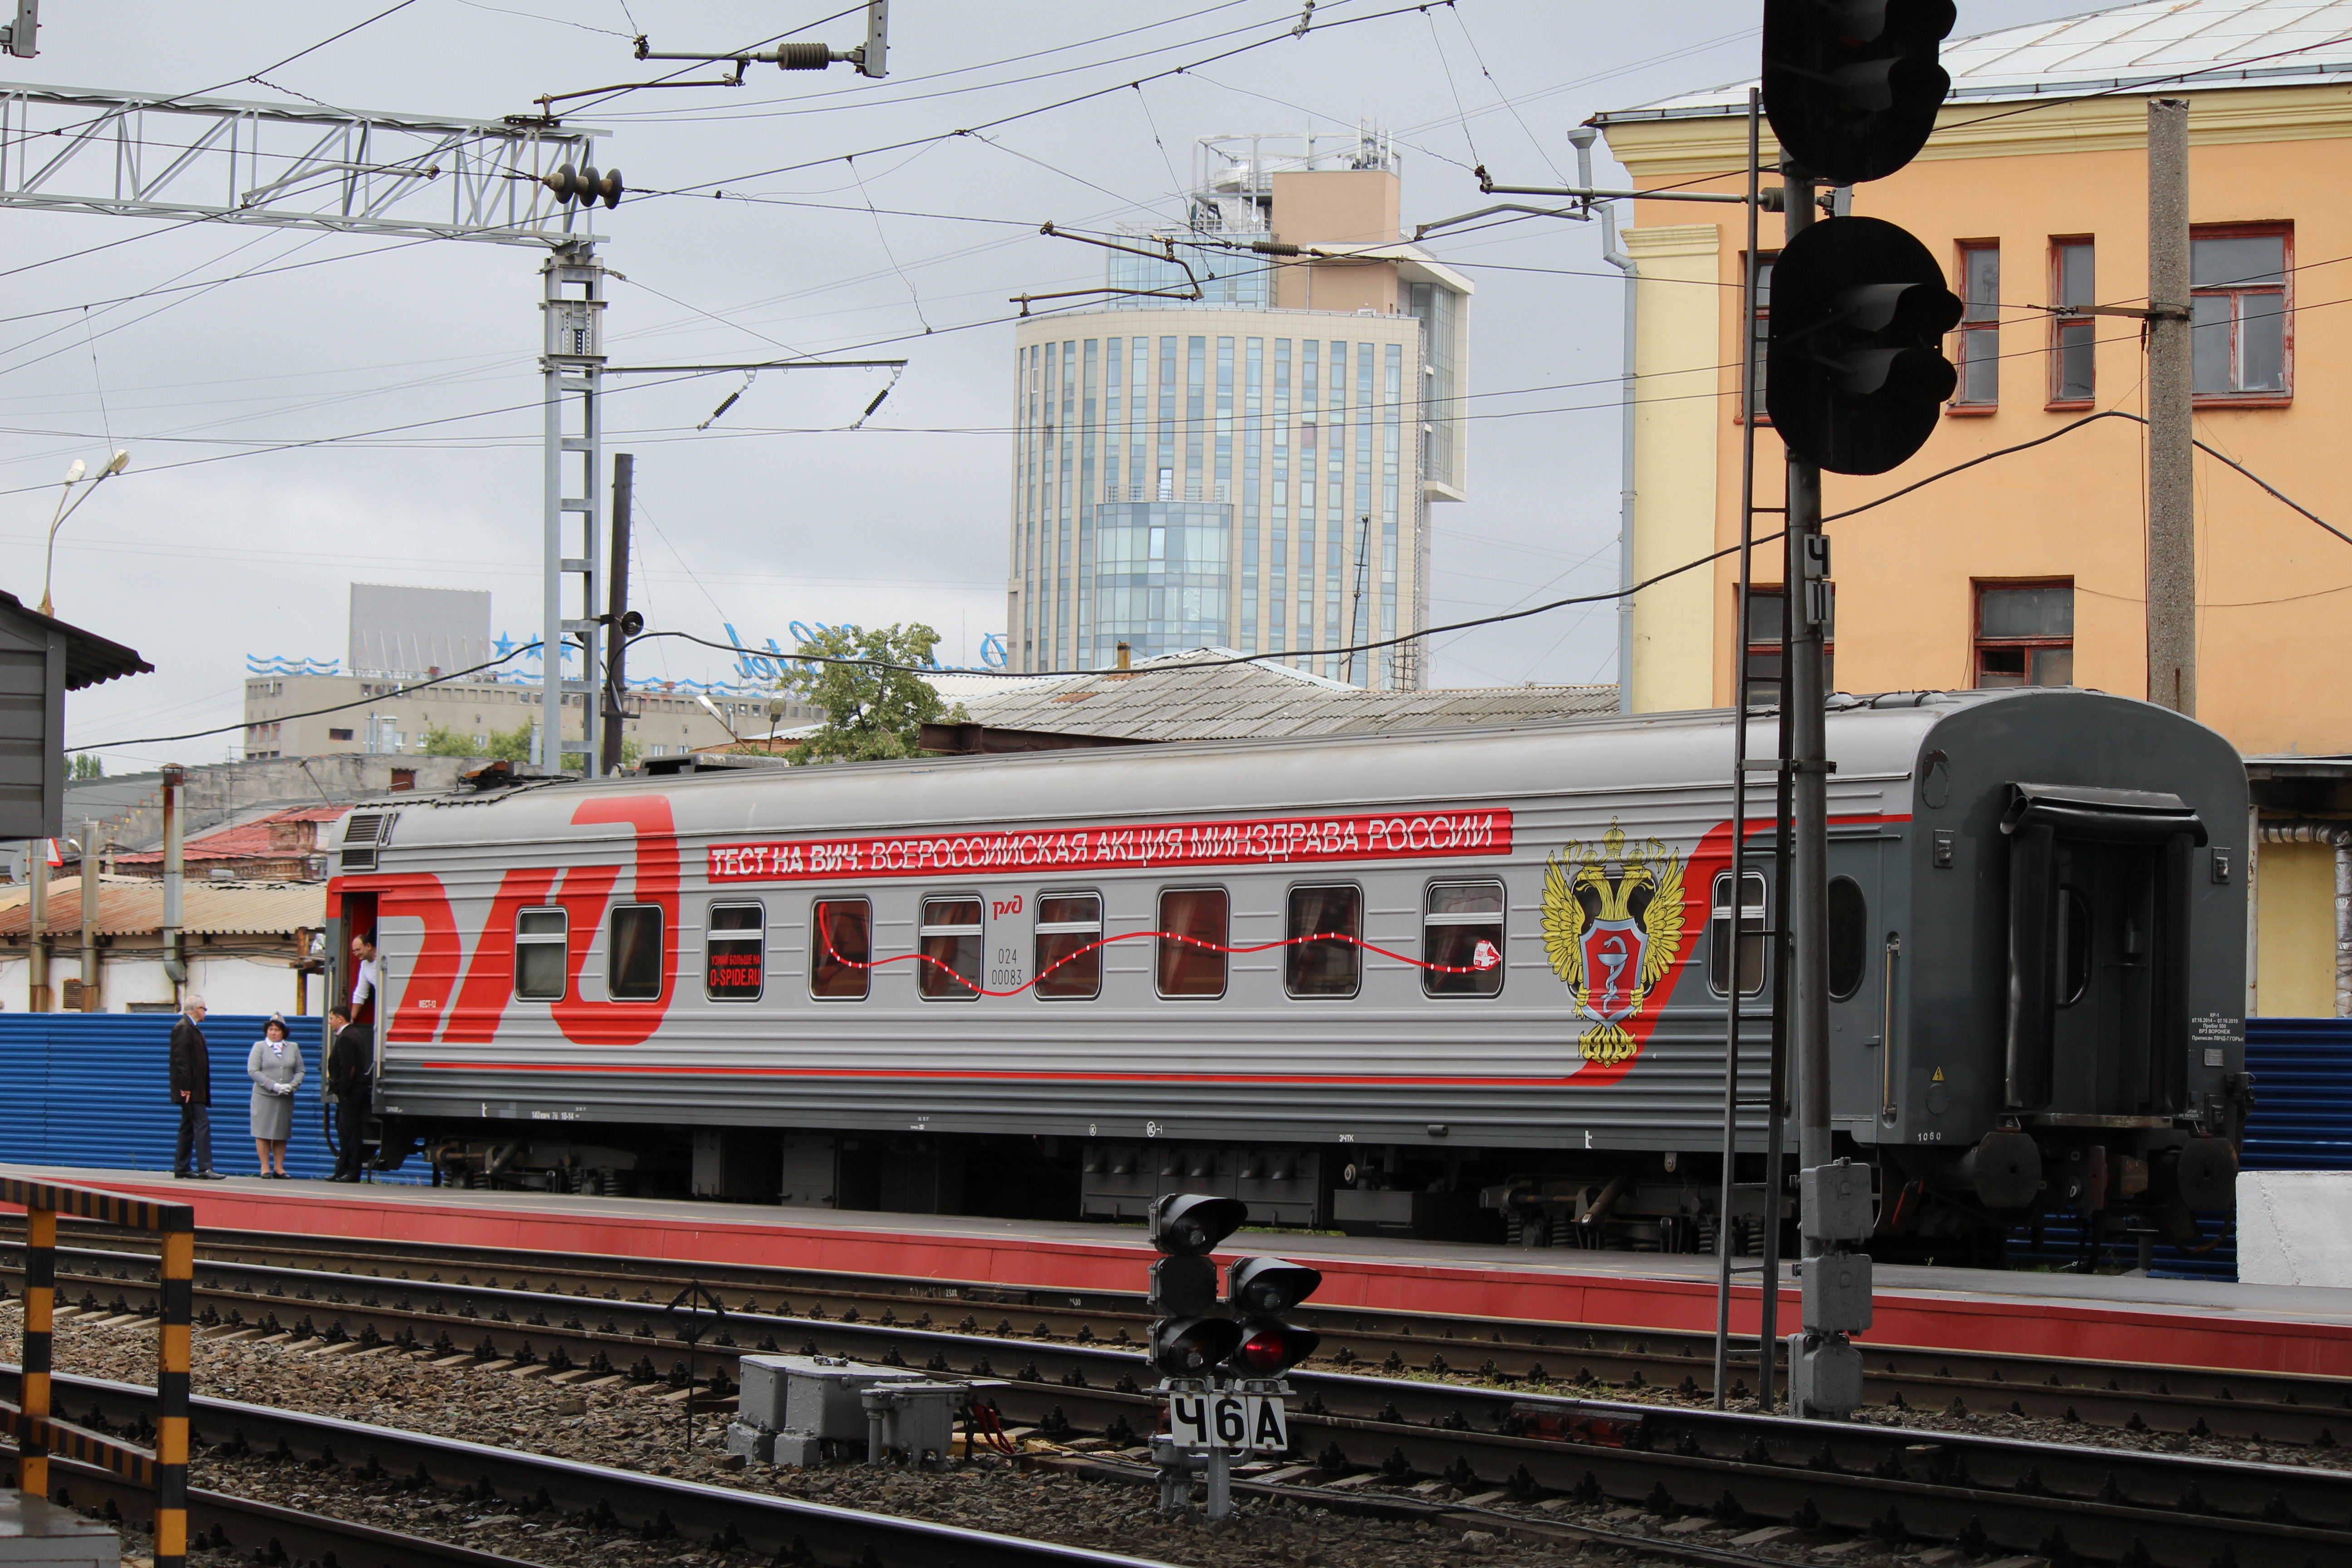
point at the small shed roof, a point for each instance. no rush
(90, 659)
(134, 906)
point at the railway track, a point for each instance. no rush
(2265, 1408)
(2125, 1506)
(790, 1530)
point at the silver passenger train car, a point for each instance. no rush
(1450, 984)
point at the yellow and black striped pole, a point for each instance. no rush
(172, 1371)
(40, 1306)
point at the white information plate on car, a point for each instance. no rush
(1237, 1423)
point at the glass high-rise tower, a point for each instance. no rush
(1252, 469)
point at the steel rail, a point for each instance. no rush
(263, 1531)
(2116, 1505)
(788, 1528)
(2266, 1407)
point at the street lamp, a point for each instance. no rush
(115, 465)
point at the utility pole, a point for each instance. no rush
(90, 1000)
(616, 636)
(37, 999)
(2171, 469)
(1356, 610)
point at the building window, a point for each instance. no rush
(2025, 634)
(1069, 947)
(404, 778)
(633, 963)
(1759, 329)
(1751, 934)
(2073, 380)
(1461, 939)
(1765, 663)
(1978, 355)
(952, 944)
(734, 952)
(339, 734)
(1322, 958)
(1193, 942)
(841, 950)
(2238, 304)
(540, 951)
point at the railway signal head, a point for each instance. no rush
(1260, 1289)
(1852, 86)
(1192, 1347)
(1185, 1225)
(1856, 375)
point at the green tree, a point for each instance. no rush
(870, 714)
(88, 765)
(504, 746)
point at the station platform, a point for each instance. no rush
(2182, 1322)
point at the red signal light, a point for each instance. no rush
(1269, 1350)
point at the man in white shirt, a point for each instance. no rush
(363, 984)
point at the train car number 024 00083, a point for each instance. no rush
(1237, 1423)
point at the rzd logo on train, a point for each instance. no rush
(1613, 923)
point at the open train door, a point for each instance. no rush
(2099, 900)
(353, 919)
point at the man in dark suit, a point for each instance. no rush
(192, 1090)
(351, 1061)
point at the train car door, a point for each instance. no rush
(2098, 950)
(1861, 1072)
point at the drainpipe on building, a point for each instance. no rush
(90, 875)
(1624, 263)
(175, 967)
(2339, 836)
(37, 993)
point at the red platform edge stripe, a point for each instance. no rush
(2184, 1337)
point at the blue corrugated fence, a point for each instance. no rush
(95, 1089)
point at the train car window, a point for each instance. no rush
(734, 952)
(1322, 958)
(1849, 937)
(951, 948)
(540, 951)
(2074, 946)
(1462, 939)
(1069, 950)
(1751, 935)
(841, 948)
(633, 961)
(1193, 942)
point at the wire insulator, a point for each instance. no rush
(803, 57)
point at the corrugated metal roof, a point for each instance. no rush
(1161, 699)
(247, 840)
(134, 906)
(2190, 43)
(90, 659)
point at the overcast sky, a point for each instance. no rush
(774, 513)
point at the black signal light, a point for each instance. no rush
(1188, 1225)
(1852, 86)
(1193, 1347)
(1268, 1287)
(1270, 1349)
(1857, 376)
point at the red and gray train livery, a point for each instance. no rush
(1418, 983)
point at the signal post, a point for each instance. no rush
(1856, 383)
(1221, 1365)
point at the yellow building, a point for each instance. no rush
(2030, 567)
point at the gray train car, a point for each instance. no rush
(1453, 983)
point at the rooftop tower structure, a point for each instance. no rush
(1252, 469)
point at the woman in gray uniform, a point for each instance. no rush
(275, 1065)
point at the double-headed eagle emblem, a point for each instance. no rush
(1613, 925)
